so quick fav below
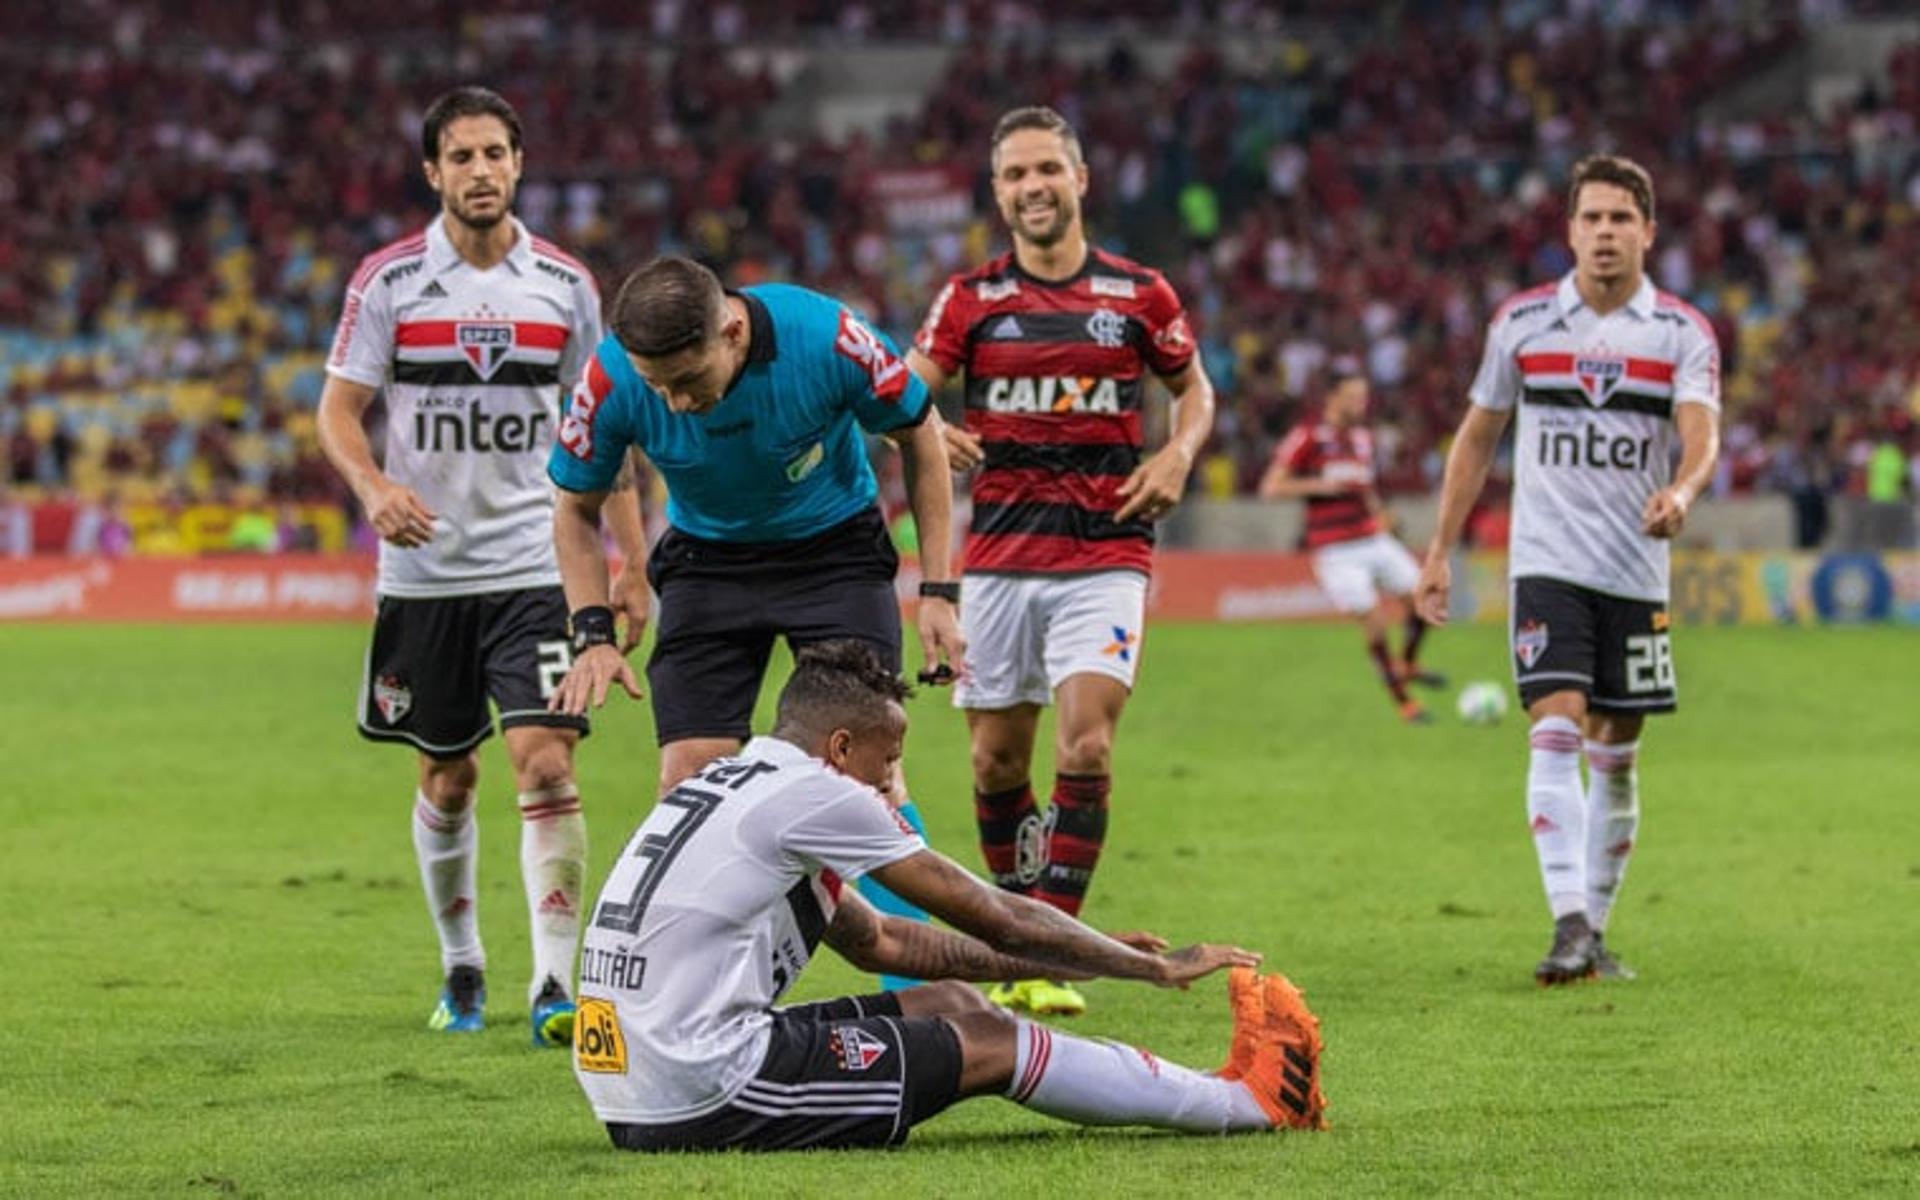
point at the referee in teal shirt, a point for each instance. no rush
(753, 406)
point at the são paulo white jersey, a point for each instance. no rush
(1595, 435)
(713, 909)
(472, 363)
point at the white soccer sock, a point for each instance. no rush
(1613, 820)
(1556, 812)
(553, 862)
(447, 845)
(1107, 1083)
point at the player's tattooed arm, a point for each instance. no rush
(1025, 929)
(892, 945)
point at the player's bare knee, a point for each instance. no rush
(942, 998)
(989, 1041)
(997, 768)
(449, 783)
(544, 769)
(1086, 752)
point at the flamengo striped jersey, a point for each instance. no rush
(1595, 435)
(1320, 450)
(1056, 372)
(471, 362)
(712, 911)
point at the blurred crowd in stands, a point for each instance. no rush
(184, 188)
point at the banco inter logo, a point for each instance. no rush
(1589, 447)
(458, 428)
(485, 343)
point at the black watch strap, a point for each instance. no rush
(948, 590)
(592, 626)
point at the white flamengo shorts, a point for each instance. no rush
(1354, 573)
(1027, 633)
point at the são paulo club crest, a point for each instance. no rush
(1530, 642)
(392, 697)
(855, 1048)
(485, 343)
(1598, 374)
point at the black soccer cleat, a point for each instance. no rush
(1575, 953)
(1606, 966)
(1421, 677)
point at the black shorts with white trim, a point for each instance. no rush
(1616, 651)
(843, 1073)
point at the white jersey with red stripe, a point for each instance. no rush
(473, 364)
(712, 911)
(1595, 435)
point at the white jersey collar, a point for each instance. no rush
(1640, 304)
(442, 257)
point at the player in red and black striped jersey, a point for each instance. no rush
(1362, 567)
(1056, 340)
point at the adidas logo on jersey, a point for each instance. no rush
(433, 291)
(1050, 394)
(1008, 330)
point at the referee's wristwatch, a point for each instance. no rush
(948, 590)
(592, 626)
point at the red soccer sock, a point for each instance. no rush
(1077, 830)
(1383, 662)
(1004, 817)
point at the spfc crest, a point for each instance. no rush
(1530, 642)
(392, 697)
(1598, 376)
(485, 343)
(855, 1048)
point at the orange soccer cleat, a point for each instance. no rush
(1276, 1049)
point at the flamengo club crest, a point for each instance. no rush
(1530, 642)
(1107, 328)
(485, 343)
(1598, 373)
(855, 1048)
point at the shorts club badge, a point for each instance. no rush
(1530, 642)
(855, 1048)
(393, 698)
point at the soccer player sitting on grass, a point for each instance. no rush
(725, 890)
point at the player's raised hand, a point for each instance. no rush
(964, 451)
(1155, 486)
(1431, 593)
(631, 599)
(398, 514)
(1181, 967)
(593, 674)
(1665, 514)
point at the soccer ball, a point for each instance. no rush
(1482, 703)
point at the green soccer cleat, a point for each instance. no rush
(1042, 997)
(552, 1016)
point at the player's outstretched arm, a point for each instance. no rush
(394, 510)
(1469, 458)
(1026, 929)
(884, 945)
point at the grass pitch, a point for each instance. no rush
(218, 969)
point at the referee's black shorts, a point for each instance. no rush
(723, 604)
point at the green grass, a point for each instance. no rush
(217, 966)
